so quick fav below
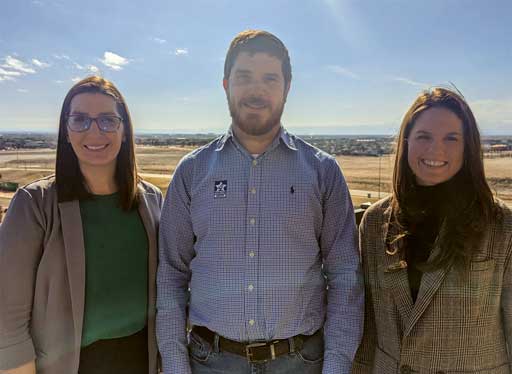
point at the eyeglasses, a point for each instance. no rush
(82, 122)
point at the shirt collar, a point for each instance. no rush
(222, 141)
(284, 137)
(287, 139)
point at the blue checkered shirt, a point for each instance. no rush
(260, 248)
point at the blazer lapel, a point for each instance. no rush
(147, 219)
(430, 283)
(394, 272)
(72, 233)
(149, 225)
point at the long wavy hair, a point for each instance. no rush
(462, 227)
(70, 182)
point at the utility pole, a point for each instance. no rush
(380, 156)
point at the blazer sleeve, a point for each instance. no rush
(506, 303)
(363, 362)
(21, 242)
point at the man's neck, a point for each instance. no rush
(255, 144)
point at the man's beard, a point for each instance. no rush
(254, 126)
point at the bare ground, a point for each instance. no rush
(158, 163)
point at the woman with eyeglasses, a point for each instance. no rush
(437, 253)
(78, 250)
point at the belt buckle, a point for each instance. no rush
(249, 354)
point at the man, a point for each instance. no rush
(255, 227)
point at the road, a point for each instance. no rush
(373, 194)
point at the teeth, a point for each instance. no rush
(434, 163)
(255, 106)
(95, 147)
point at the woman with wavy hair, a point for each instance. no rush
(78, 250)
(436, 254)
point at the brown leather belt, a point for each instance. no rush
(254, 352)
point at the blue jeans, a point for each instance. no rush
(207, 359)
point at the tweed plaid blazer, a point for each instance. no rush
(457, 325)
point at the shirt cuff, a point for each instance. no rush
(17, 355)
(336, 365)
(360, 368)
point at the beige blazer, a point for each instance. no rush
(456, 325)
(42, 278)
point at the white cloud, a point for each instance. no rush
(93, 69)
(8, 73)
(410, 82)
(61, 57)
(181, 51)
(340, 70)
(37, 2)
(158, 40)
(18, 65)
(114, 61)
(76, 79)
(5, 78)
(13, 67)
(22, 90)
(40, 64)
(59, 81)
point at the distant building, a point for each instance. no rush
(500, 148)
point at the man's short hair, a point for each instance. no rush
(258, 41)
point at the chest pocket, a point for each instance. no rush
(293, 201)
(296, 199)
(477, 293)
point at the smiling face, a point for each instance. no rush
(95, 150)
(256, 93)
(436, 146)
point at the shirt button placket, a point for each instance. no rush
(252, 243)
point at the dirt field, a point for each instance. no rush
(362, 173)
(158, 163)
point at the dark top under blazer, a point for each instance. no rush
(456, 325)
(42, 278)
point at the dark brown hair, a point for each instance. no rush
(70, 181)
(258, 41)
(463, 229)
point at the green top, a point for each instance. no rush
(116, 268)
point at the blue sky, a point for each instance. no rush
(357, 65)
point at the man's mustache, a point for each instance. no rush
(256, 101)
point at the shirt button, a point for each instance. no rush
(405, 369)
(251, 254)
(252, 221)
(253, 190)
(250, 288)
(254, 162)
(251, 322)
